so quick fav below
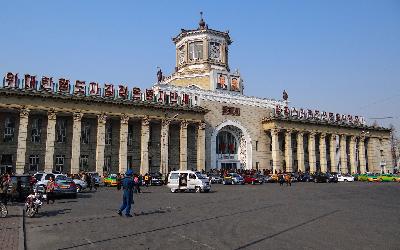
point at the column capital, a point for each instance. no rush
(52, 114)
(275, 131)
(202, 125)
(184, 124)
(300, 133)
(322, 136)
(353, 138)
(362, 138)
(102, 118)
(289, 131)
(166, 122)
(124, 119)
(146, 121)
(312, 133)
(77, 116)
(24, 112)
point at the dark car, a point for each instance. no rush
(321, 178)
(20, 187)
(332, 178)
(156, 180)
(305, 178)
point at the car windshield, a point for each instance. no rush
(112, 176)
(47, 177)
(174, 176)
(61, 177)
(200, 176)
(38, 177)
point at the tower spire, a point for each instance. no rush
(202, 23)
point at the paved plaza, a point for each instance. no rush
(304, 216)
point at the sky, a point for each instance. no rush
(335, 56)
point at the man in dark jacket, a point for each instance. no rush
(127, 198)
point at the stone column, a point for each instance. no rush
(145, 138)
(332, 149)
(201, 147)
(343, 155)
(387, 155)
(276, 159)
(183, 146)
(123, 143)
(288, 151)
(50, 138)
(374, 157)
(352, 151)
(322, 153)
(22, 135)
(311, 152)
(300, 152)
(100, 143)
(76, 142)
(164, 146)
(361, 153)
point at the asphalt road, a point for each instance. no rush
(304, 216)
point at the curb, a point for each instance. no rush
(21, 233)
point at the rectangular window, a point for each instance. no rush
(60, 159)
(61, 131)
(36, 130)
(196, 51)
(85, 133)
(6, 160)
(33, 163)
(108, 134)
(107, 164)
(84, 162)
(271, 163)
(130, 135)
(256, 145)
(9, 129)
(257, 165)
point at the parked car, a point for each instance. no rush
(305, 177)
(321, 178)
(111, 180)
(344, 178)
(233, 178)
(65, 187)
(215, 178)
(80, 184)
(332, 177)
(20, 187)
(388, 177)
(253, 179)
(187, 180)
(156, 180)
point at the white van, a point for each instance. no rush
(188, 180)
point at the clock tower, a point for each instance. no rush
(202, 60)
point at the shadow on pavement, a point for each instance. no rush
(53, 212)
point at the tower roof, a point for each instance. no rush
(203, 28)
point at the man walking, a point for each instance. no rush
(127, 198)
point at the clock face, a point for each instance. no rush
(215, 51)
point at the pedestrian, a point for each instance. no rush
(281, 179)
(137, 184)
(4, 185)
(127, 198)
(50, 190)
(288, 179)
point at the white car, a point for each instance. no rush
(345, 178)
(43, 178)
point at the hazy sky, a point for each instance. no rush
(337, 56)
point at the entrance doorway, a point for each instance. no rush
(229, 166)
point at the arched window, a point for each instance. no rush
(226, 143)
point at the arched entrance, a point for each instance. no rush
(231, 146)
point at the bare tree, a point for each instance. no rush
(394, 142)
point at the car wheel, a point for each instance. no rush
(223, 183)
(78, 188)
(3, 211)
(345, 180)
(252, 182)
(30, 212)
(206, 190)
(198, 189)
